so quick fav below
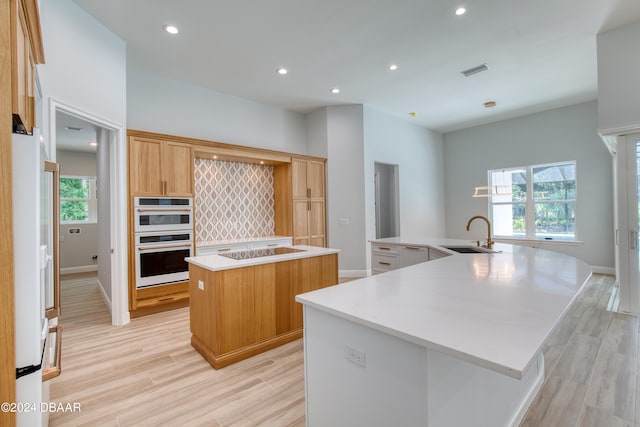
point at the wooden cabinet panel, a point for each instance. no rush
(160, 168)
(145, 166)
(308, 187)
(246, 311)
(178, 169)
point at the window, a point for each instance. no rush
(541, 204)
(78, 201)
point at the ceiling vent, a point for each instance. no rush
(475, 70)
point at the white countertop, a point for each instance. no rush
(215, 262)
(495, 310)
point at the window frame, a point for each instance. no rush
(92, 200)
(530, 203)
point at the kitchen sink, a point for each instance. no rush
(468, 249)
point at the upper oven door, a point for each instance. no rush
(162, 219)
(162, 214)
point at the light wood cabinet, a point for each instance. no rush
(308, 190)
(26, 52)
(240, 312)
(160, 168)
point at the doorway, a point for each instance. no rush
(387, 200)
(111, 201)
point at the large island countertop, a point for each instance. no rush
(495, 310)
(445, 343)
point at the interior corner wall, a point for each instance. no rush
(345, 185)
(85, 64)
(561, 134)
(618, 71)
(162, 105)
(419, 154)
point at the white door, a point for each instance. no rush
(628, 177)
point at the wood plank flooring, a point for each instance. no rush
(147, 373)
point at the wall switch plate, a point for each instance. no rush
(354, 356)
(344, 221)
(201, 285)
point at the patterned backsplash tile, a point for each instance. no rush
(233, 200)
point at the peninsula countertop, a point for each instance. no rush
(217, 262)
(495, 310)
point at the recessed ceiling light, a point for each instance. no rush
(171, 29)
(393, 67)
(93, 144)
(461, 11)
(489, 104)
(215, 157)
(282, 71)
(335, 90)
(262, 162)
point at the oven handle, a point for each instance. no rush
(164, 210)
(151, 248)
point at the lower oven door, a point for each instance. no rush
(162, 264)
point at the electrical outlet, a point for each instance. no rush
(354, 356)
(201, 285)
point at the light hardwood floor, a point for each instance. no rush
(147, 373)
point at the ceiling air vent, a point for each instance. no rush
(475, 70)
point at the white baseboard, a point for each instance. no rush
(352, 273)
(80, 269)
(105, 297)
(603, 270)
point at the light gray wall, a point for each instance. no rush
(162, 105)
(77, 250)
(345, 185)
(556, 135)
(618, 71)
(317, 133)
(418, 152)
(104, 210)
(85, 63)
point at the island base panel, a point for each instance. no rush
(226, 359)
(355, 375)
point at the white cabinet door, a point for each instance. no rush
(410, 255)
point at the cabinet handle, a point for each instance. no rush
(382, 248)
(165, 299)
(309, 205)
(151, 248)
(224, 250)
(309, 192)
(164, 187)
(384, 263)
(272, 244)
(413, 248)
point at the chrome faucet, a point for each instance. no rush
(489, 244)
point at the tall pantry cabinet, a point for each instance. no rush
(307, 180)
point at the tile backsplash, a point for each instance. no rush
(232, 200)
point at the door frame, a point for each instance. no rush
(118, 212)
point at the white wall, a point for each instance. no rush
(85, 63)
(618, 71)
(345, 186)
(162, 105)
(556, 135)
(418, 152)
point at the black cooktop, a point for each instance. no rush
(257, 253)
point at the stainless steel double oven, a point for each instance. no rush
(163, 232)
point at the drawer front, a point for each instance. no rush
(410, 255)
(384, 249)
(209, 250)
(265, 244)
(381, 262)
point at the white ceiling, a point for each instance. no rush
(74, 134)
(541, 53)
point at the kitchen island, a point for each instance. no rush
(243, 302)
(450, 342)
